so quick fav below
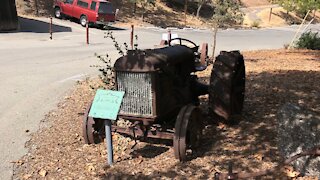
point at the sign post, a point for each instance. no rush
(87, 32)
(107, 125)
(106, 105)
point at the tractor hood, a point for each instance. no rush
(156, 59)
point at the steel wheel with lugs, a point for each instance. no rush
(227, 86)
(92, 128)
(187, 131)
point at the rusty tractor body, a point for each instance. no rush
(162, 90)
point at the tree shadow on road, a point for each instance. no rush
(37, 26)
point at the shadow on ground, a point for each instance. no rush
(36, 26)
(150, 151)
(252, 142)
(160, 16)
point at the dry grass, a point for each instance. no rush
(160, 15)
(281, 18)
(254, 3)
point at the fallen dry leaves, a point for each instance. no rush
(57, 150)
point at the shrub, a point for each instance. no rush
(255, 24)
(309, 40)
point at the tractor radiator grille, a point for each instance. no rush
(137, 100)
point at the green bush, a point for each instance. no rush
(309, 40)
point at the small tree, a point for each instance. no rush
(226, 13)
(144, 4)
(301, 7)
(134, 2)
(309, 40)
(288, 5)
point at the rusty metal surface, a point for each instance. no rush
(186, 133)
(87, 32)
(145, 118)
(155, 59)
(87, 126)
(138, 132)
(91, 128)
(171, 84)
(137, 100)
(204, 54)
(147, 121)
(178, 139)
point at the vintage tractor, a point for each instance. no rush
(162, 90)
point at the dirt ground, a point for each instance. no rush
(57, 150)
(254, 3)
(280, 17)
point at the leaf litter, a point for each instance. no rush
(273, 78)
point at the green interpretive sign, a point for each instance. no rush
(106, 104)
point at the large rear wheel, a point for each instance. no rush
(227, 86)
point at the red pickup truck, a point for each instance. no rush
(98, 12)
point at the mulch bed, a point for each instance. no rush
(274, 78)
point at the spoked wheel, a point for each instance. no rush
(227, 86)
(93, 129)
(187, 132)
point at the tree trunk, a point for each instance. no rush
(185, 12)
(287, 15)
(37, 7)
(215, 31)
(198, 10)
(143, 12)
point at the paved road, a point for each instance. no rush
(36, 73)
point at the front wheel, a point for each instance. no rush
(92, 128)
(83, 20)
(57, 13)
(188, 128)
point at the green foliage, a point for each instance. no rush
(144, 2)
(288, 5)
(301, 7)
(226, 13)
(107, 72)
(309, 40)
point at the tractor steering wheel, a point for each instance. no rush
(189, 43)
